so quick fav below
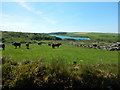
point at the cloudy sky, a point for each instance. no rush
(43, 17)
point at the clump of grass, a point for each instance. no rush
(98, 78)
(7, 60)
(57, 75)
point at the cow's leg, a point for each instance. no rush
(3, 48)
(58, 46)
(52, 46)
(27, 47)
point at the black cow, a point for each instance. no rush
(40, 43)
(49, 44)
(2, 45)
(94, 45)
(16, 44)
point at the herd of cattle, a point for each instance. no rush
(113, 47)
(2, 45)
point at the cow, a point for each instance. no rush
(40, 43)
(49, 44)
(2, 45)
(16, 44)
(94, 45)
(27, 45)
(55, 44)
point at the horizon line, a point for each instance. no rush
(62, 31)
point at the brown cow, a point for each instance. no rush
(27, 45)
(55, 44)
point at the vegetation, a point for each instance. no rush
(35, 37)
(67, 52)
(68, 67)
(56, 75)
(58, 33)
(98, 37)
(9, 37)
(94, 37)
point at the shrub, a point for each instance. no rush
(6, 60)
(26, 62)
(56, 75)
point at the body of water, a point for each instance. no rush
(67, 37)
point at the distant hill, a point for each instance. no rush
(58, 33)
(104, 37)
(9, 37)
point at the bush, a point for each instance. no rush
(56, 75)
(6, 60)
(26, 62)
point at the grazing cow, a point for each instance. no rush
(16, 44)
(94, 45)
(40, 43)
(56, 44)
(27, 45)
(49, 44)
(2, 45)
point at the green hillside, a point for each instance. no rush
(94, 37)
(8, 37)
(105, 37)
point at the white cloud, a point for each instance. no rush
(22, 24)
(44, 16)
(42, 22)
(23, 4)
(29, 8)
(10, 23)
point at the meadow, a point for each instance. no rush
(68, 67)
(97, 37)
(66, 53)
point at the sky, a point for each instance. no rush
(45, 17)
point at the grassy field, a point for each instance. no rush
(68, 53)
(106, 37)
(54, 67)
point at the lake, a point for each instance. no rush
(67, 37)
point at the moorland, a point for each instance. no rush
(75, 64)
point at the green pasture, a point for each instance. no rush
(68, 53)
(105, 37)
(96, 68)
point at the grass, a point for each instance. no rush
(106, 37)
(68, 53)
(42, 66)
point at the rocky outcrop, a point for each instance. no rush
(105, 46)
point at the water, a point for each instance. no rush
(67, 37)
